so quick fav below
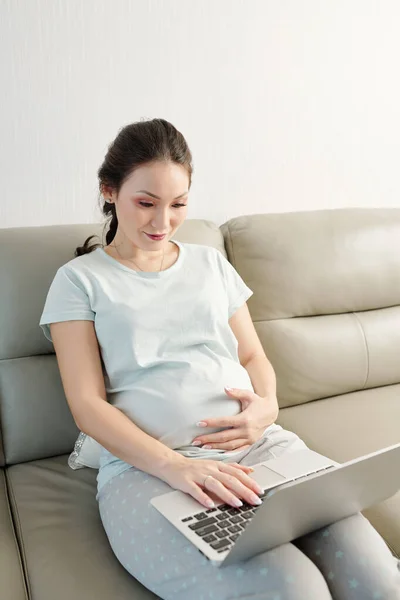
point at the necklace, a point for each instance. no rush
(131, 260)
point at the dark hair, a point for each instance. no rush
(136, 144)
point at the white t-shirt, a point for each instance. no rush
(165, 341)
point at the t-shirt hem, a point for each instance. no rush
(239, 301)
(48, 318)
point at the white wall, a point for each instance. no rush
(286, 104)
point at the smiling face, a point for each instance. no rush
(139, 212)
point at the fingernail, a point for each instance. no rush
(201, 424)
(237, 502)
(257, 500)
(196, 443)
(207, 446)
(210, 503)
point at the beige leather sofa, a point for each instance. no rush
(326, 306)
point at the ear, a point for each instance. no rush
(107, 193)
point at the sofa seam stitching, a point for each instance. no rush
(366, 348)
(20, 544)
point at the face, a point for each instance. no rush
(139, 212)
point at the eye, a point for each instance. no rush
(147, 204)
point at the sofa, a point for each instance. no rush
(326, 306)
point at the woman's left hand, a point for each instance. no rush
(246, 427)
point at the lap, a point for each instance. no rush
(151, 549)
(348, 553)
(167, 563)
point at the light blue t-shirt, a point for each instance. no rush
(165, 341)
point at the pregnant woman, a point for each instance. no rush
(149, 333)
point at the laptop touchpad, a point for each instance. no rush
(266, 477)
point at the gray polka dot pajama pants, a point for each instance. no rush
(347, 560)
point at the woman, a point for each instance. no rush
(156, 327)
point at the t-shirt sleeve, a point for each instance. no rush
(67, 300)
(238, 292)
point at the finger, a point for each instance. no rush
(224, 421)
(218, 492)
(229, 488)
(221, 437)
(197, 493)
(243, 448)
(243, 467)
(234, 445)
(243, 477)
(247, 493)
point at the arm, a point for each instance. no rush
(252, 356)
(78, 358)
(262, 376)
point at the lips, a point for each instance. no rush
(156, 237)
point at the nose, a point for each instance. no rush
(160, 223)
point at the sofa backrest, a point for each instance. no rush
(326, 302)
(35, 420)
(326, 307)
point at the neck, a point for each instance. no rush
(137, 254)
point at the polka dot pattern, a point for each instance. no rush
(347, 560)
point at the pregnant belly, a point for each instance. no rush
(169, 400)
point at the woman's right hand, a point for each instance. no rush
(228, 481)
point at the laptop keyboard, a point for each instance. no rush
(221, 526)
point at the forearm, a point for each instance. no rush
(262, 376)
(119, 435)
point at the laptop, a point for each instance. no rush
(302, 491)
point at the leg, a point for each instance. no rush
(354, 559)
(351, 554)
(166, 563)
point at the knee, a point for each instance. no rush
(293, 575)
(310, 583)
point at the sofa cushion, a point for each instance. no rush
(12, 583)
(65, 549)
(327, 355)
(35, 418)
(326, 302)
(348, 426)
(317, 262)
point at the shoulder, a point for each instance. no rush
(207, 256)
(81, 264)
(201, 250)
(80, 270)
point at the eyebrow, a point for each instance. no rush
(158, 197)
